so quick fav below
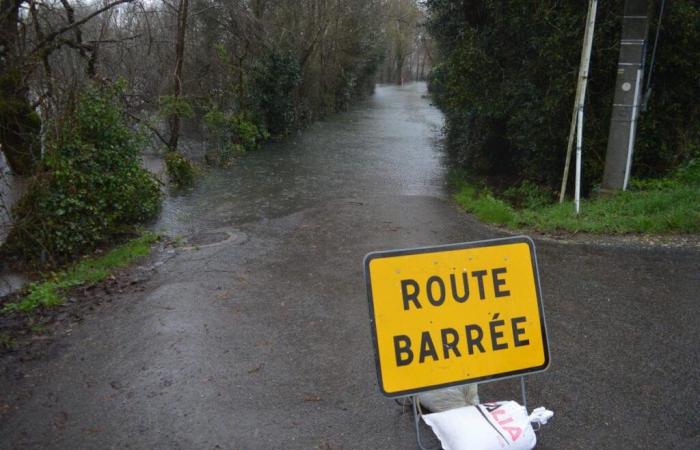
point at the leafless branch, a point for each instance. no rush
(51, 36)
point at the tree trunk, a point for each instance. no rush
(399, 67)
(179, 58)
(19, 124)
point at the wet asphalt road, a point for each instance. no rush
(262, 340)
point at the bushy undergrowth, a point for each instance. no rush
(50, 292)
(89, 187)
(231, 134)
(668, 205)
(180, 171)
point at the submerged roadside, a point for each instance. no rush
(263, 340)
(37, 310)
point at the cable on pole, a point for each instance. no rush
(647, 88)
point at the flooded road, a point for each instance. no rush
(387, 145)
(254, 333)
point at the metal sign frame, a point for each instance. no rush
(442, 248)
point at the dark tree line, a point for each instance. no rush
(506, 79)
(83, 82)
(181, 58)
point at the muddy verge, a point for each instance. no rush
(26, 337)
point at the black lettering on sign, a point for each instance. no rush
(474, 341)
(497, 282)
(441, 288)
(480, 274)
(455, 294)
(427, 348)
(409, 296)
(402, 348)
(518, 331)
(495, 334)
(450, 340)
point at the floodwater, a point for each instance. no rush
(11, 189)
(348, 155)
(258, 335)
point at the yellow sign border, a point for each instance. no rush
(460, 246)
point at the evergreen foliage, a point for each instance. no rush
(507, 81)
(230, 135)
(90, 186)
(180, 171)
(276, 77)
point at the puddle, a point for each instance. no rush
(212, 238)
(11, 282)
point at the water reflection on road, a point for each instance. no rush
(371, 149)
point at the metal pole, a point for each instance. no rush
(580, 88)
(523, 391)
(579, 144)
(647, 90)
(633, 129)
(416, 421)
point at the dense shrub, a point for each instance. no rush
(181, 172)
(89, 187)
(507, 80)
(276, 77)
(229, 135)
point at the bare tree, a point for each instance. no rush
(177, 75)
(27, 42)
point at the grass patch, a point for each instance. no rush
(7, 342)
(485, 206)
(50, 292)
(670, 205)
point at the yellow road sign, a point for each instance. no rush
(455, 314)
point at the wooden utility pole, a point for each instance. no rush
(581, 86)
(625, 108)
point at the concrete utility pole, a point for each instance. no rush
(630, 71)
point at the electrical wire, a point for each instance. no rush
(647, 89)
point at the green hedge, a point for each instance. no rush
(506, 79)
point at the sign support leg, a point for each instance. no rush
(417, 412)
(416, 421)
(523, 390)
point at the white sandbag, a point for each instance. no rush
(489, 426)
(541, 415)
(449, 398)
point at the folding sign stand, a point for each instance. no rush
(417, 413)
(431, 297)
